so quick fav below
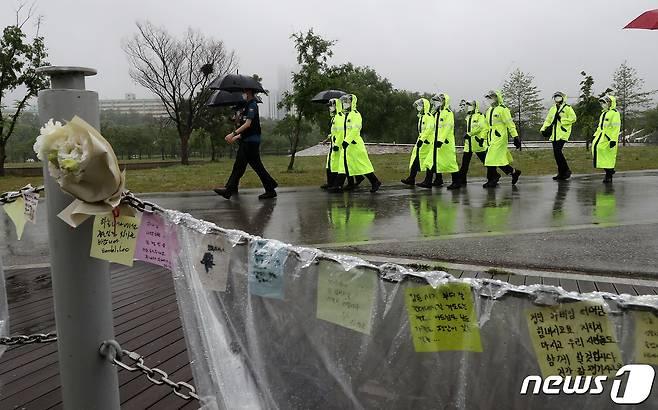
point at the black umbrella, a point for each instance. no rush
(221, 98)
(323, 97)
(236, 82)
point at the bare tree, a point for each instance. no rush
(630, 96)
(178, 72)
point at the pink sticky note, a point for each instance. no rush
(153, 241)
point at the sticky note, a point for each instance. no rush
(153, 241)
(346, 298)
(443, 318)
(31, 202)
(212, 262)
(16, 212)
(266, 269)
(114, 239)
(574, 339)
(646, 338)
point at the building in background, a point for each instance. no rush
(131, 104)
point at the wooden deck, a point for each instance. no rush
(146, 321)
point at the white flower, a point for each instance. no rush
(48, 128)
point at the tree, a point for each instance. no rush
(178, 72)
(630, 95)
(292, 130)
(19, 59)
(312, 54)
(587, 110)
(522, 98)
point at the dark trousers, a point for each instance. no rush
(466, 161)
(249, 154)
(560, 160)
(492, 175)
(415, 167)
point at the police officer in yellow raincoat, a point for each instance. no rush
(501, 127)
(475, 139)
(604, 145)
(444, 158)
(354, 160)
(557, 128)
(336, 138)
(424, 147)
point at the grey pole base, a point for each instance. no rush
(81, 284)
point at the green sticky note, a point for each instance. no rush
(346, 298)
(574, 339)
(114, 239)
(16, 212)
(646, 338)
(443, 318)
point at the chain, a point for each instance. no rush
(25, 340)
(143, 206)
(9, 197)
(113, 352)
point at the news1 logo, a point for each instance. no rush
(639, 383)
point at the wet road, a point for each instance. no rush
(578, 225)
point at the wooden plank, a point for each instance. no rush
(569, 285)
(550, 281)
(532, 280)
(517, 279)
(622, 288)
(643, 290)
(605, 287)
(586, 286)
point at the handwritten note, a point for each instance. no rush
(266, 269)
(31, 202)
(16, 212)
(346, 298)
(646, 337)
(114, 239)
(574, 339)
(153, 241)
(443, 318)
(212, 262)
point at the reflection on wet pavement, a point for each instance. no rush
(311, 216)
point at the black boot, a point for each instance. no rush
(409, 181)
(338, 184)
(427, 182)
(225, 192)
(608, 176)
(358, 179)
(456, 183)
(515, 176)
(330, 179)
(438, 181)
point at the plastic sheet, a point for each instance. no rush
(4, 309)
(337, 332)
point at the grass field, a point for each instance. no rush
(310, 170)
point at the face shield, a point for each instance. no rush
(347, 101)
(558, 98)
(332, 106)
(437, 101)
(466, 106)
(605, 103)
(491, 97)
(418, 104)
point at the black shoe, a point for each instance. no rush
(335, 190)
(563, 177)
(607, 179)
(267, 195)
(409, 181)
(497, 178)
(515, 176)
(464, 182)
(438, 182)
(325, 186)
(425, 184)
(349, 187)
(375, 186)
(454, 185)
(557, 177)
(223, 192)
(358, 179)
(490, 184)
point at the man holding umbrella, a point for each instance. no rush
(248, 136)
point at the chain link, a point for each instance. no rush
(130, 199)
(157, 376)
(9, 197)
(26, 340)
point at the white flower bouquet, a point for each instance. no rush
(84, 165)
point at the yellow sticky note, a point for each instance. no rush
(443, 318)
(574, 339)
(346, 298)
(646, 338)
(114, 239)
(16, 211)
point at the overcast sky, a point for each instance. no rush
(461, 47)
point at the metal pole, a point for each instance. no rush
(81, 284)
